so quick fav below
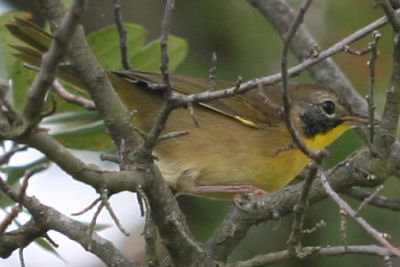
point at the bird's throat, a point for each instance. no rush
(319, 141)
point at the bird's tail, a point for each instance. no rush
(37, 42)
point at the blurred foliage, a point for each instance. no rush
(247, 45)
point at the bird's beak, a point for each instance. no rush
(358, 119)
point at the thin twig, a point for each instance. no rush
(316, 155)
(106, 203)
(275, 78)
(159, 125)
(192, 114)
(7, 221)
(373, 46)
(285, 255)
(172, 135)
(21, 257)
(213, 70)
(72, 98)
(21, 195)
(139, 195)
(379, 201)
(317, 226)
(149, 231)
(50, 240)
(351, 213)
(123, 45)
(296, 234)
(391, 110)
(50, 61)
(50, 218)
(165, 26)
(91, 206)
(368, 200)
(350, 51)
(275, 107)
(93, 224)
(169, 104)
(51, 111)
(343, 228)
(390, 13)
(29, 173)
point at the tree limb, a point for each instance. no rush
(48, 218)
(283, 256)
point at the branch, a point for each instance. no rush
(169, 104)
(373, 47)
(18, 208)
(326, 72)
(391, 110)
(353, 214)
(50, 60)
(285, 255)
(296, 234)
(390, 14)
(115, 115)
(280, 14)
(166, 213)
(281, 203)
(379, 201)
(165, 26)
(70, 97)
(20, 238)
(123, 46)
(49, 218)
(87, 173)
(315, 155)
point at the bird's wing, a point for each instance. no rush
(249, 108)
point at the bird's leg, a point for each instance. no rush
(241, 191)
(246, 189)
(186, 184)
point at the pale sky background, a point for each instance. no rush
(54, 188)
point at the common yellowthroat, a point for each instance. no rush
(242, 143)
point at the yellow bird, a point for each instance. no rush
(241, 145)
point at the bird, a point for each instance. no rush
(239, 144)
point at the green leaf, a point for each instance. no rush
(105, 44)
(15, 173)
(149, 58)
(7, 60)
(80, 130)
(10, 67)
(98, 226)
(22, 78)
(41, 242)
(5, 201)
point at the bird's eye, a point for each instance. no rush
(328, 107)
